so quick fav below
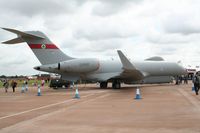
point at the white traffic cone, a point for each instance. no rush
(77, 94)
(39, 91)
(137, 97)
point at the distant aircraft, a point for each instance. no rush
(53, 60)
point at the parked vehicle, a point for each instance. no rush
(59, 83)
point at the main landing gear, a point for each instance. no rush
(115, 84)
(103, 84)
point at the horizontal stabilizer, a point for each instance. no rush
(14, 41)
(24, 34)
(20, 35)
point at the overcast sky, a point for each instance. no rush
(98, 28)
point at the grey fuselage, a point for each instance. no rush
(111, 69)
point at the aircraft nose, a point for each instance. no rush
(37, 68)
(183, 70)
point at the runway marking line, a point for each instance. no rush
(21, 124)
(42, 107)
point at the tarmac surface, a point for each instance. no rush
(163, 108)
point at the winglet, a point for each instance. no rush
(125, 62)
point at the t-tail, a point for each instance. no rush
(46, 51)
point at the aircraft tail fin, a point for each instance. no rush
(42, 47)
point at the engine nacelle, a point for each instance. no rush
(79, 65)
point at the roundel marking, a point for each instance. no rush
(43, 46)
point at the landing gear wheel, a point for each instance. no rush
(103, 84)
(116, 85)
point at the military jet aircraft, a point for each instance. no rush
(53, 60)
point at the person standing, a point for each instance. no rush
(43, 82)
(177, 80)
(14, 85)
(26, 85)
(196, 83)
(6, 85)
(185, 79)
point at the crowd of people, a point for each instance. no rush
(181, 79)
(195, 81)
(13, 84)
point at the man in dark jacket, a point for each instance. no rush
(14, 85)
(196, 83)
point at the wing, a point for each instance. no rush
(129, 70)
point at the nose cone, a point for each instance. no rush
(37, 68)
(183, 70)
